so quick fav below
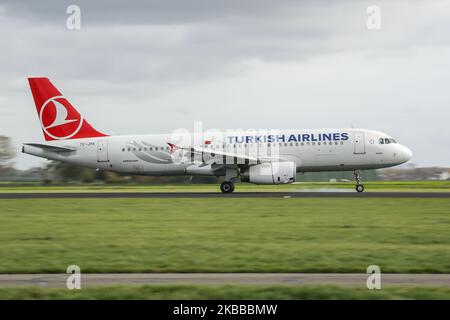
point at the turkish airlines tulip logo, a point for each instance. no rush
(59, 119)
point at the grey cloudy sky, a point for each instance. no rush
(139, 67)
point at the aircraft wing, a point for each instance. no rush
(49, 148)
(211, 156)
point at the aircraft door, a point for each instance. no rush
(359, 142)
(102, 151)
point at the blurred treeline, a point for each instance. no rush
(64, 172)
(55, 172)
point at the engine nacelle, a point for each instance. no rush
(270, 173)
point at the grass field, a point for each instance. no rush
(226, 292)
(225, 235)
(405, 186)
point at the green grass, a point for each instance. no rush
(406, 186)
(226, 292)
(225, 235)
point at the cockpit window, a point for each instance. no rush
(386, 141)
(389, 140)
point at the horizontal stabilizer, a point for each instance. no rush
(50, 148)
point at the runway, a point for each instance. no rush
(344, 279)
(175, 195)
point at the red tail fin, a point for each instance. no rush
(59, 119)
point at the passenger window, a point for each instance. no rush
(386, 141)
(381, 141)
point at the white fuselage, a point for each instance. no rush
(310, 150)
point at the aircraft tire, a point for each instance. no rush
(227, 187)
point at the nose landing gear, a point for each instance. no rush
(359, 186)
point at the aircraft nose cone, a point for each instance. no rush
(408, 154)
(405, 154)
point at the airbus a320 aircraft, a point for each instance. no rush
(270, 157)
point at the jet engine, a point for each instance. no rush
(270, 173)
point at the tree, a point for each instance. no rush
(71, 172)
(7, 152)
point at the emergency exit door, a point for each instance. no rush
(359, 142)
(102, 151)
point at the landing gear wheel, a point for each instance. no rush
(359, 187)
(227, 187)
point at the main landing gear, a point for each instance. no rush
(227, 187)
(230, 174)
(359, 186)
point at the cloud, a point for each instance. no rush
(164, 64)
(148, 12)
